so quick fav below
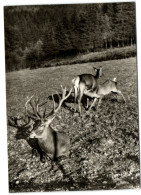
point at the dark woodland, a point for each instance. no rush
(37, 34)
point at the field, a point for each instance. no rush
(104, 151)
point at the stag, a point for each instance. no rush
(85, 82)
(53, 143)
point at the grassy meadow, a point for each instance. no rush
(104, 143)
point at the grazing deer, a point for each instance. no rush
(107, 87)
(85, 82)
(53, 143)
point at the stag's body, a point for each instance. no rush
(53, 143)
(109, 86)
(83, 82)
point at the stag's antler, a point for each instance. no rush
(35, 115)
(61, 100)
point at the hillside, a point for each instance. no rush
(104, 151)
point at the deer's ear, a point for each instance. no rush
(49, 120)
(95, 70)
(31, 127)
(115, 79)
(100, 71)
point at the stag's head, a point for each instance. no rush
(37, 112)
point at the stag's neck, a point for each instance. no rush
(47, 133)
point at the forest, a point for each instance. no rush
(37, 34)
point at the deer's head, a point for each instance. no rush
(98, 71)
(37, 113)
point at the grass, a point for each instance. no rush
(104, 144)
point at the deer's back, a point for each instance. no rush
(89, 80)
(107, 87)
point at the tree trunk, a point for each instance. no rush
(131, 41)
(106, 44)
(111, 46)
(122, 43)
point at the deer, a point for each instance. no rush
(85, 82)
(109, 86)
(53, 143)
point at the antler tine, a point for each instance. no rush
(52, 111)
(37, 108)
(64, 97)
(29, 99)
(37, 104)
(53, 102)
(43, 103)
(58, 95)
(34, 115)
(44, 114)
(26, 109)
(64, 92)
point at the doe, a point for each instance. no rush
(85, 82)
(106, 88)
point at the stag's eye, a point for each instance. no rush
(41, 127)
(39, 132)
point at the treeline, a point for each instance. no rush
(35, 34)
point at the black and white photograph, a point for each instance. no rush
(72, 109)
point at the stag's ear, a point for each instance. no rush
(114, 79)
(31, 127)
(49, 120)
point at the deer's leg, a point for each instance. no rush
(99, 103)
(79, 105)
(75, 97)
(87, 103)
(93, 104)
(81, 92)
